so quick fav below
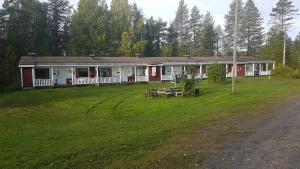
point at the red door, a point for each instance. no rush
(154, 73)
(240, 70)
(27, 77)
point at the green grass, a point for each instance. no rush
(113, 126)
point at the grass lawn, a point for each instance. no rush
(114, 126)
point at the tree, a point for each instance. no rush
(229, 27)
(296, 52)
(219, 36)
(89, 28)
(155, 36)
(181, 25)
(274, 46)
(120, 21)
(59, 12)
(196, 26)
(129, 47)
(171, 47)
(282, 17)
(25, 28)
(252, 34)
(209, 38)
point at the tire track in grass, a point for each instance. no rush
(117, 105)
(92, 108)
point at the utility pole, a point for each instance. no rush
(235, 49)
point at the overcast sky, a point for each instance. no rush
(166, 9)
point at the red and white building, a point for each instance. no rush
(70, 70)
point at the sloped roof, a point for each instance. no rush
(79, 60)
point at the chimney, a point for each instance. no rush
(31, 54)
(138, 55)
(92, 55)
(187, 56)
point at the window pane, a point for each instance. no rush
(42, 73)
(106, 72)
(82, 72)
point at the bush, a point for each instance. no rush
(286, 72)
(216, 73)
(188, 85)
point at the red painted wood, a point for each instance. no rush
(241, 70)
(154, 78)
(27, 77)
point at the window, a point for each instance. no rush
(93, 72)
(140, 71)
(42, 73)
(203, 68)
(153, 73)
(249, 67)
(229, 68)
(163, 70)
(82, 72)
(106, 72)
(264, 67)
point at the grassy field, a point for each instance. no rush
(114, 126)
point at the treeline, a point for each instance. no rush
(54, 28)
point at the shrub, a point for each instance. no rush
(286, 72)
(188, 85)
(216, 73)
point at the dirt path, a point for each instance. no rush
(273, 143)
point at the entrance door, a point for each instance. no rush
(240, 70)
(61, 75)
(154, 73)
(27, 77)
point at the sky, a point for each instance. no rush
(166, 9)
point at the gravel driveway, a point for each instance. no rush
(274, 143)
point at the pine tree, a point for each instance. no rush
(155, 36)
(209, 37)
(282, 17)
(252, 30)
(229, 27)
(59, 20)
(196, 26)
(89, 28)
(181, 25)
(274, 46)
(171, 47)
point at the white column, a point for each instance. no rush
(135, 73)
(120, 70)
(246, 73)
(52, 78)
(184, 69)
(274, 66)
(267, 68)
(226, 70)
(161, 72)
(21, 73)
(72, 72)
(259, 68)
(253, 69)
(201, 74)
(33, 77)
(98, 79)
